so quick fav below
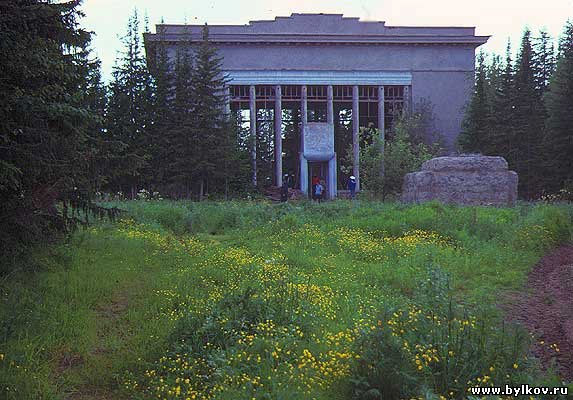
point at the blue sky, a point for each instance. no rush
(502, 19)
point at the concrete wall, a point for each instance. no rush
(448, 93)
(348, 58)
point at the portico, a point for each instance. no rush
(318, 102)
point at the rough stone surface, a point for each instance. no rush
(319, 139)
(466, 180)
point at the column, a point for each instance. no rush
(332, 181)
(278, 137)
(228, 101)
(304, 121)
(253, 121)
(329, 105)
(381, 126)
(332, 178)
(355, 138)
(407, 100)
(303, 106)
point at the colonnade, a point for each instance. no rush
(304, 107)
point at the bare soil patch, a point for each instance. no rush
(109, 322)
(90, 393)
(545, 308)
(67, 360)
(115, 308)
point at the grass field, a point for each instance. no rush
(250, 300)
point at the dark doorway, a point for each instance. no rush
(320, 170)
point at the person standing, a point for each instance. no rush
(352, 186)
(284, 189)
(318, 191)
(314, 183)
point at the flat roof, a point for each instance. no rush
(318, 29)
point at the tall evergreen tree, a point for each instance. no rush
(543, 68)
(559, 103)
(528, 120)
(543, 60)
(475, 129)
(162, 114)
(129, 116)
(494, 76)
(95, 100)
(44, 119)
(183, 151)
(211, 125)
(502, 142)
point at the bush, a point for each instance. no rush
(433, 346)
(563, 195)
(382, 173)
(169, 215)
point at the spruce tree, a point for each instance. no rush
(543, 59)
(543, 68)
(494, 76)
(129, 116)
(210, 123)
(95, 100)
(475, 129)
(162, 114)
(44, 120)
(559, 103)
(528, 120)
(502, 142)
(183, 151)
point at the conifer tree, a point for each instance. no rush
(528, 123)
(475, 129)
(181, 134)
(559, 102)
(95, 100)
(162, 114)
(528, 120)
(501, 139)
(129, 114)
(543, 68)
(210, 123)
(494, 76)
(543, 59)
(44, 120)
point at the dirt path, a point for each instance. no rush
(109, 322)
(545, 308)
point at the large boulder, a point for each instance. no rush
(466, 180)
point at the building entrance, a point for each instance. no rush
(318, 169)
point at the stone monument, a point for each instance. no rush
(465, 180)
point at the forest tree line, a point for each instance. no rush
(164, 122)
(522, 110)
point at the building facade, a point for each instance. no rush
(300, 87)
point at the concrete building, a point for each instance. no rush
(306, 83)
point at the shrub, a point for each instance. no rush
(435, 346)
(382, 173)
(563, 195)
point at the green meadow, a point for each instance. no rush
(252, 300)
